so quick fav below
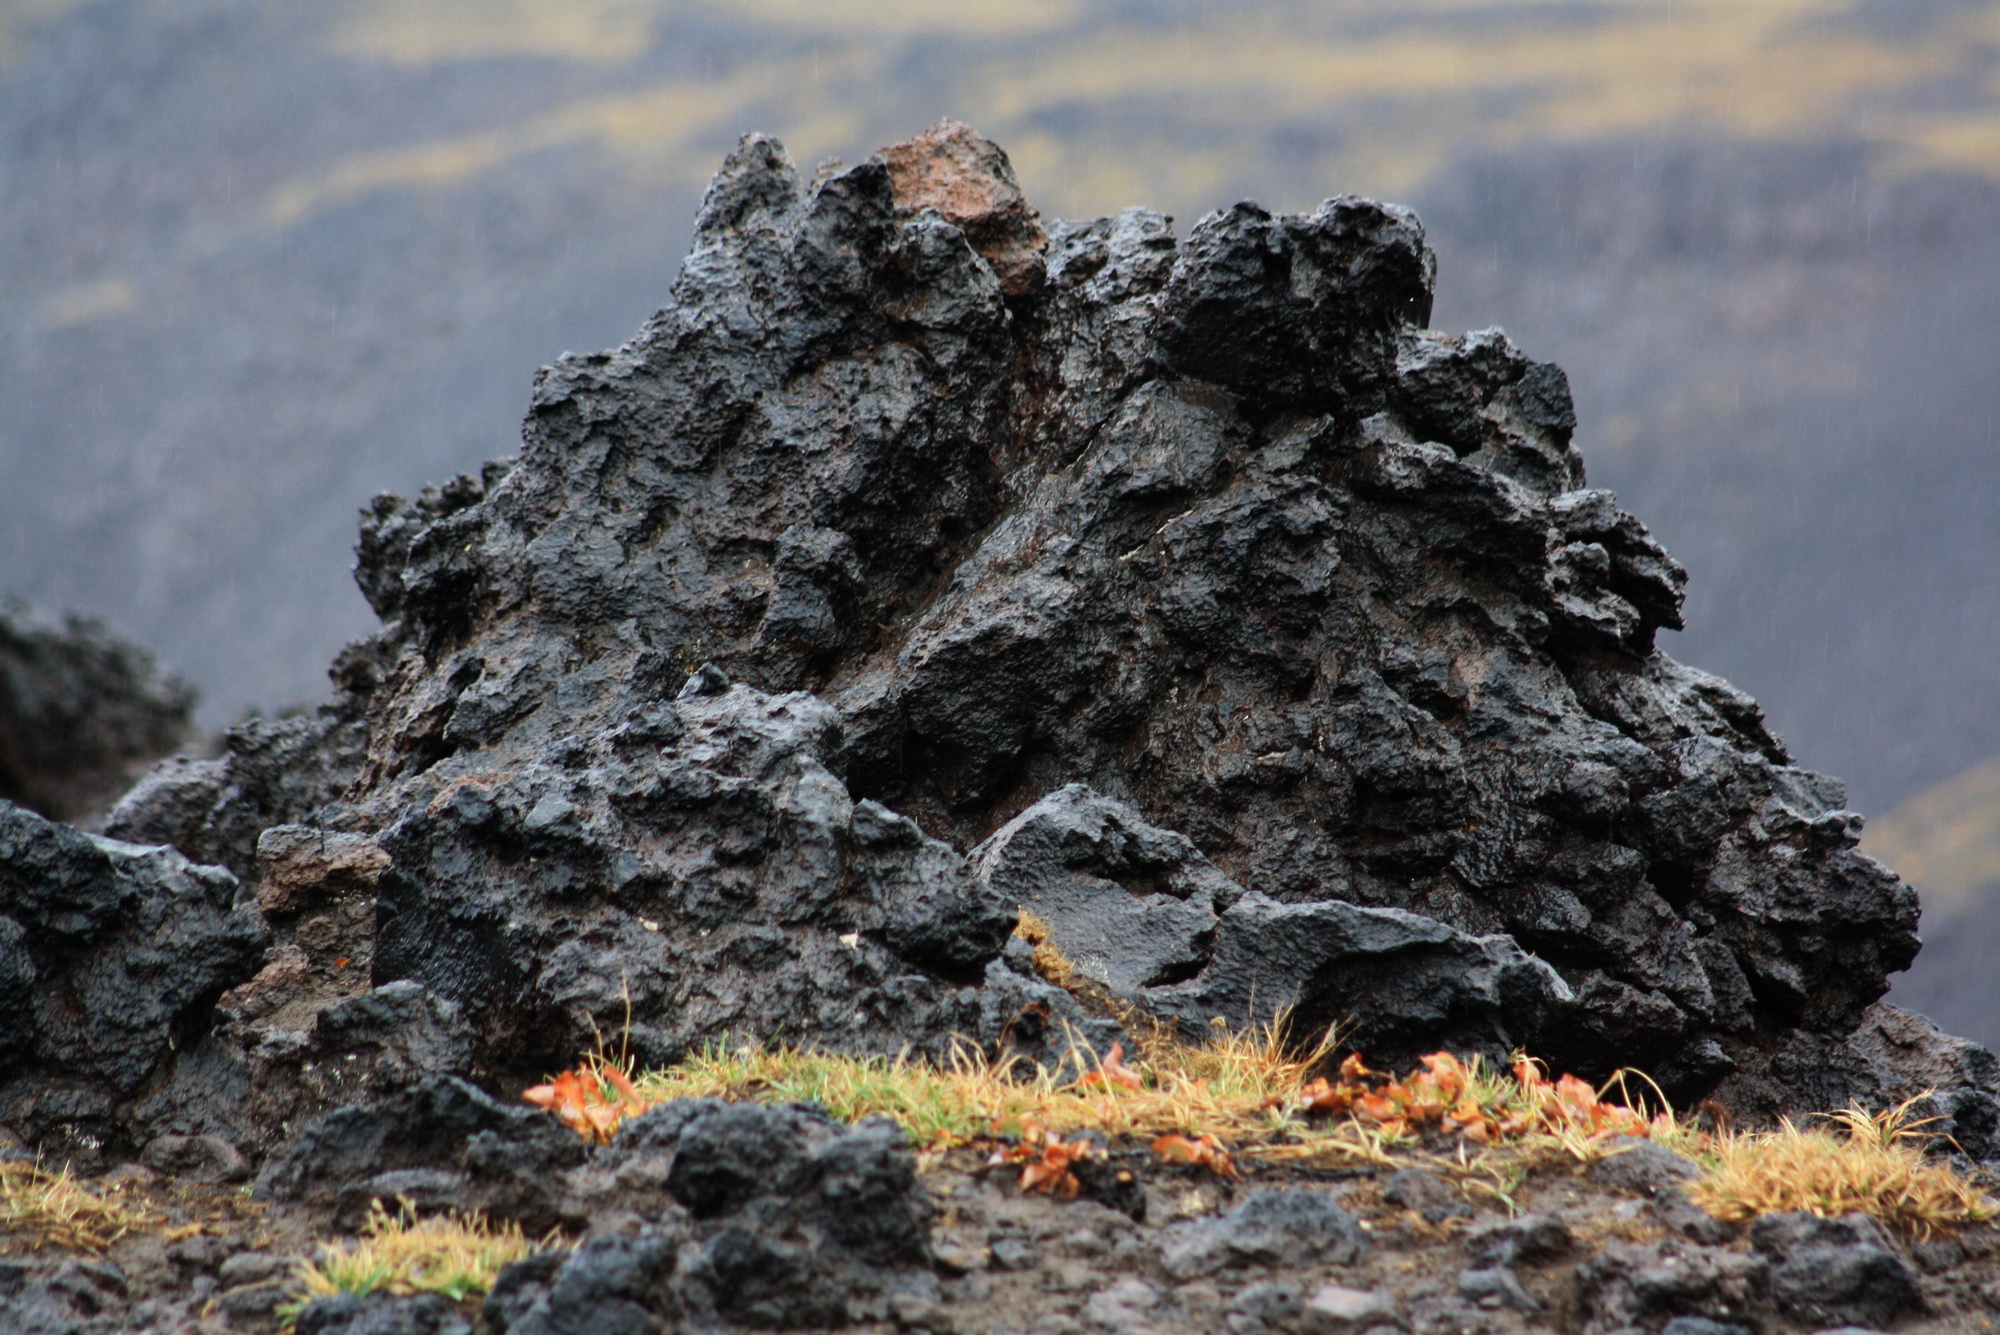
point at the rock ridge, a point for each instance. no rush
(919, 562)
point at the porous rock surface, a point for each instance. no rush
(1139, 911)
(710, 1215)
(111, 956)
(82, 712)
(916, 563)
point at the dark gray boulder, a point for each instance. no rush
(272, 771)
(1628, 1286)
(71, 1296)
(440, 1143)
(1834, 1271)
(1140, 912)
(82, 712)
(1641, 1167)
(1529, 1239)
(903, 515)
(1268, 1228)
(611, 1284)
(112, 958)
(779, 1218)
(1133, 906)
(381, 1314)
(696, 867)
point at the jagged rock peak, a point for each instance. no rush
(904, 514)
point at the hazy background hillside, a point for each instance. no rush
(260, 259)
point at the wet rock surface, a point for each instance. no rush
(1315, 589)
(1139, 911)
(777, 1218)
(918, 566)
(1270, 1228)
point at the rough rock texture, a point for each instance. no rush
(1139, 911)
(1270, 1228)
(968, 180)
(440, 1143)
(1827, 1271)
(112, 957)
(869, 543)
(82, 712)
(710, 1214)
(271, 772)
(60, 1299)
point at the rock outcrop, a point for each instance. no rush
(82, 713)
(112, 957)
(747, 701)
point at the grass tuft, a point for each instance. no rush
(1055, 966)
(456, 1255)
(1857, 1163)
(1235, 1086)
(1255, 1096)
(43, 1209)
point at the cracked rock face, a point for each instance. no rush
(905, 515)
(111, 958)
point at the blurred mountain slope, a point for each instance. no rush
(1946, 842)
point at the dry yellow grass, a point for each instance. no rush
(454, 1255)
(1247, 1089)
(39, 1208)
(1235, 1086)
(1251, 1092)
(1055, 966)
(1856, 1164)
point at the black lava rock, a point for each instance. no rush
(1641, 1167)
(1834, 1271)
(1639, 1285)
(111, 958)
(904, 516)
(442, 1142)
(82, 713)
(1268, 1228)
(791, 1219)
(381, 1314)
(66, 1297)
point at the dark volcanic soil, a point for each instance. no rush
(1609, 1247)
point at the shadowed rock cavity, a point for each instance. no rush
(907, 514)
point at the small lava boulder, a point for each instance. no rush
(780, 1218)
(1834, 1271)
(112, 956)
(1268, 1228)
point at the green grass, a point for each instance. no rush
(456, 1255)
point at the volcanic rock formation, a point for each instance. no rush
(82, 712)
(915, 564)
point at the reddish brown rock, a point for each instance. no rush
(967, 178)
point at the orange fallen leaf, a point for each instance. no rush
(590, 1100)
(1205, 1152)
(1047, 1161)
(1112, 1070)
